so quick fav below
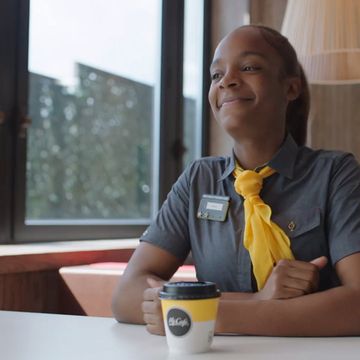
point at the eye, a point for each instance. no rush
(250, 68)
(215, 76)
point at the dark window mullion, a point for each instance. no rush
(207, 53)
(20, 114)
(8, 34)
(171, 108)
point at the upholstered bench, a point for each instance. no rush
(92, 285)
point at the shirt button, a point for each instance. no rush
(291, 226)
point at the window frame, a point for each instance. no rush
(14, 69)
(8, 48)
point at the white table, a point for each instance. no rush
(34, 336)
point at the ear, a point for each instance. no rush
(293, 88)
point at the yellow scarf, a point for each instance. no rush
(266, 241)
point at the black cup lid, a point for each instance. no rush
(183, 290)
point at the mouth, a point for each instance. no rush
(234, 100)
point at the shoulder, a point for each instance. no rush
(212, 166)
(333, 163)
(212, 162)
(200, 173)
(334, 158)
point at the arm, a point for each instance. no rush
(148, 261)
(332, 312)
(335, 312)
(135, 299)
(288, 279)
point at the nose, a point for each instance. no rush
(230, 79)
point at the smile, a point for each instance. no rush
(234, 100)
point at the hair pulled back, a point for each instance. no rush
(297, 111)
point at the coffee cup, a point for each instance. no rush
(189, 310)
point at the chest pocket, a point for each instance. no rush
(299, 221)
(303, 228)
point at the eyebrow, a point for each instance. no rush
(241, 55)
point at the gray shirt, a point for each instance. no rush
(314, 197)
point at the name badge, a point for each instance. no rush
(213, 207)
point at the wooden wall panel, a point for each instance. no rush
(48, 261)
(335, 118)
(268, 12)
(32, 291)
(31, 282)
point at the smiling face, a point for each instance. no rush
(249, 93)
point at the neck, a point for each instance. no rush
(252, 153)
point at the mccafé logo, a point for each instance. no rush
(179, 322)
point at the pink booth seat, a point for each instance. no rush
(92, 285)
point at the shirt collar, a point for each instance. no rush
(229, 168)
(283, 161)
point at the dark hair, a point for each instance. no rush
(298, 110)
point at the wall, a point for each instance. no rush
(31, 281)
(334, 120)
(30, 291)
(268, 12)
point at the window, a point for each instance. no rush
(195, 81)
(90, 143)
(100, 119)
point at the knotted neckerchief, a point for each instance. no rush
(266, 241)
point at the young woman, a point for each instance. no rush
(278, 229)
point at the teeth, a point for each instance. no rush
(237, 99)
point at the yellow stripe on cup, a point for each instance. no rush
(199, 310)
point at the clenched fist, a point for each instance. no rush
(292, 278)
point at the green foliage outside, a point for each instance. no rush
(89, 148)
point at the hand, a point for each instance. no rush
(151, 307)
(292, 278)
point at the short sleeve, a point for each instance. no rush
(343, 220)
(170, 229)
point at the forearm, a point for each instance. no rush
(333, 312)
(238, 296)
(148, 261)
(128, 297)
